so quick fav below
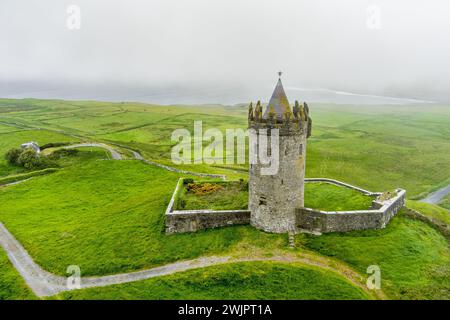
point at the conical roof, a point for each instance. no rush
(278, 103)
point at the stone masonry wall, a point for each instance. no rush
(342, 221)
(194, 220)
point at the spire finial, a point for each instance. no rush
(279, 74)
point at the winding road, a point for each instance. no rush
(44, 283)
(437, 196)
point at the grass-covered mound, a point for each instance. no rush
(445, 202)
(430, 210)
(213, 195)
(12, 286)
(27, 175)
(108, 217)
(247, 280)
(330, 197)
(414, 258)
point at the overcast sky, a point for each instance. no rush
(158, 49)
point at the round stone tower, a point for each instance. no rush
(275, 194)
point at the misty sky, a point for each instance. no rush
(225, 50)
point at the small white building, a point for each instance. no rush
(33, 145)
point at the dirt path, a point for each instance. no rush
(44, 283)
(14, 183)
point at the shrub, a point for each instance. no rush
(12, 156)
(203, 188)
(244, 185)
(63, 153)
(188, 180)
(29, 159)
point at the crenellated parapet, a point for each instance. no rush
(289, 121)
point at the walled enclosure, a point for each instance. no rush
(307, 219)
(194, 220)
(317, 221)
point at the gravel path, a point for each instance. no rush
(14, 183)
(40, 281)
(115, 155)
(44, 283)
(437, 196)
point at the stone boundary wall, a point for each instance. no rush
(435, 223)
(341, 221)
(307, 219)
(343, 184)
(194, 220)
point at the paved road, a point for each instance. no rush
(44, 283)
(114, 154)
(437, 196)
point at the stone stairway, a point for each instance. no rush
(291, 239)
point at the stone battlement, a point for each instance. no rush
(289, 122)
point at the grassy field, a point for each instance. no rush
(59, 223)
(59, 219)
(108, 216)
(27, 175)
(376, 147)
(256, 280)
(413, 257)
(329, 197)
(12, 286)
(234, 196)
(214, 196)
(445, 203)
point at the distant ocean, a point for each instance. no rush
(193, 95)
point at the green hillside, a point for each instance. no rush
(107, 216)
(255, 280)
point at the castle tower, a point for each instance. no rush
(273, 198)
